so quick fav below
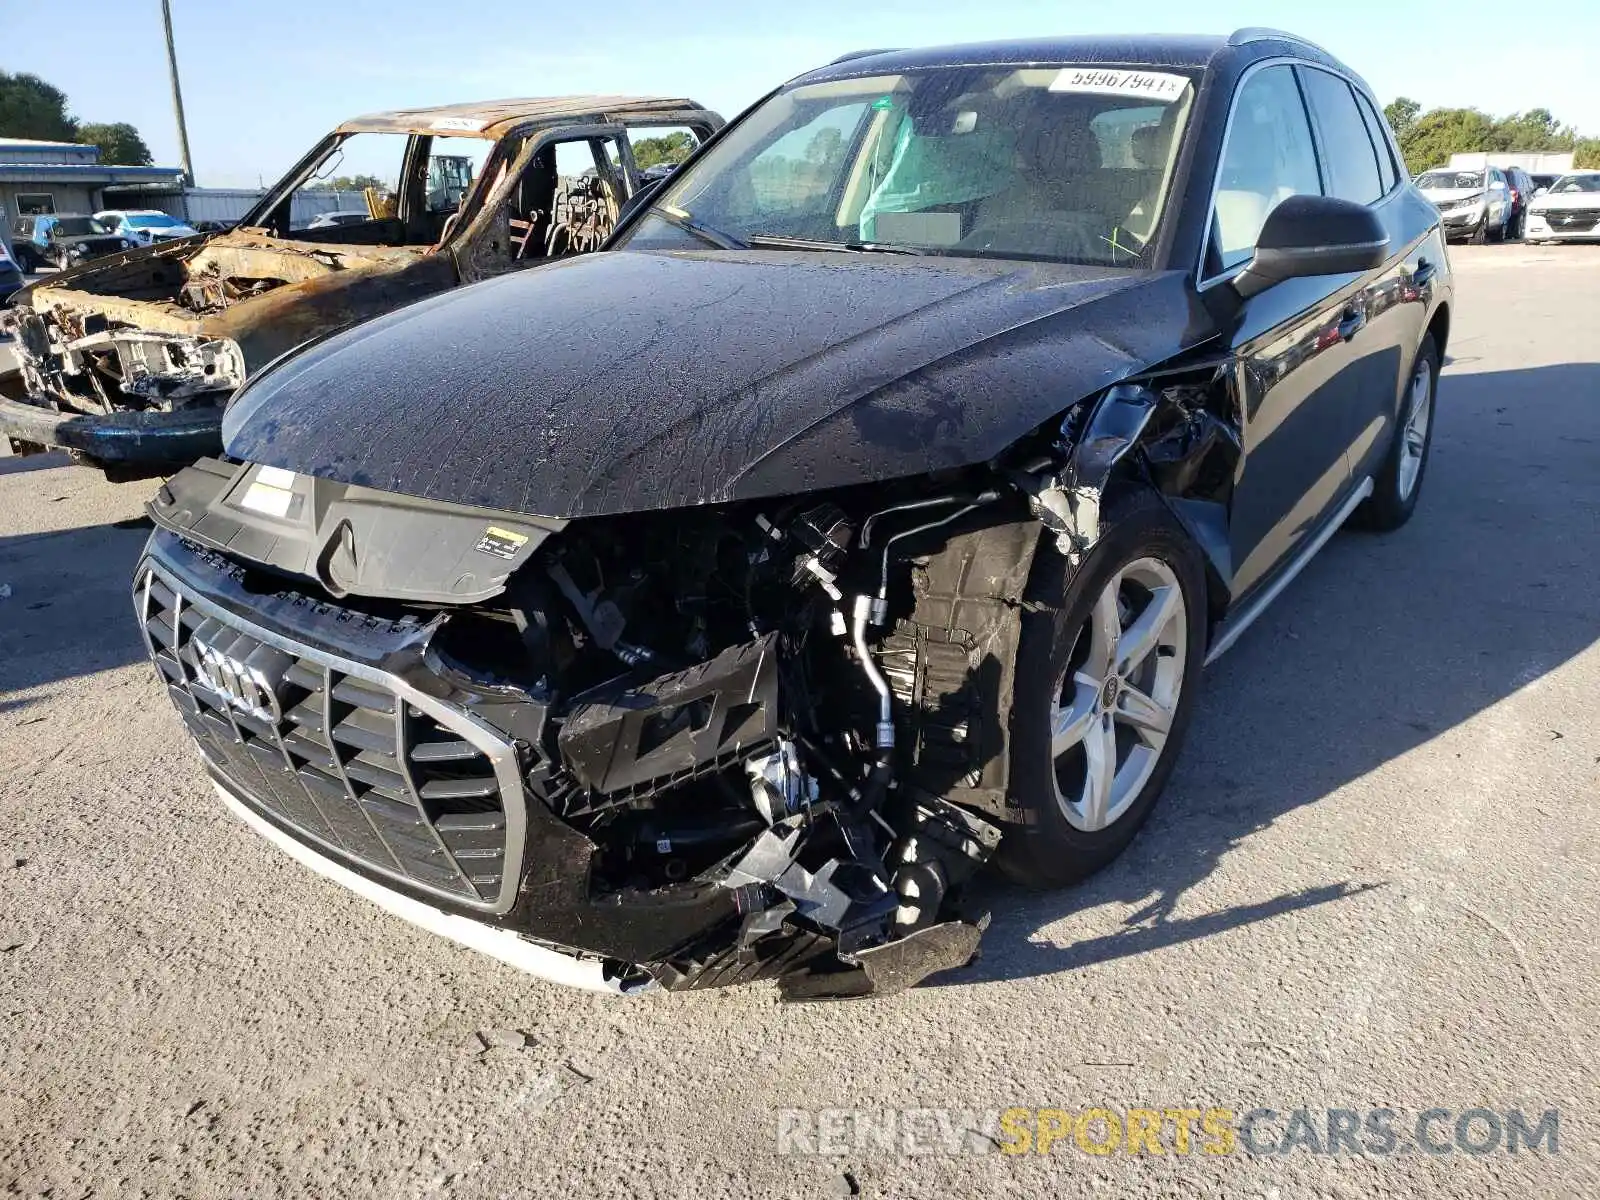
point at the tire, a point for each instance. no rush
(25, 260)
(1498, 234)
(1398, 483)
(1480, 231)
(1058, 652)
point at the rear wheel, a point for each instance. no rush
(1399, 481)
(1107, 669)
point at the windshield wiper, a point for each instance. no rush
(772, 241)
(708, 235)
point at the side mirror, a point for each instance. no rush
(1313, 235)
(638, 200)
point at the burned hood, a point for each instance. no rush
(631, 381)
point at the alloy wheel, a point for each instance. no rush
(1414, 437)
(1119, 695)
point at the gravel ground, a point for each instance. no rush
(1373, 882)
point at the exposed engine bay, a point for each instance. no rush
(155, 331)
(771, 735)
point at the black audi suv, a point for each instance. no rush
(712, 608)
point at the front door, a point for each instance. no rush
(1293, 343)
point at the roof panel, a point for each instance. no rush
(489, 118)
(1133, 49)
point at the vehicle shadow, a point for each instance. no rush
(1383, 643)
(66, 609)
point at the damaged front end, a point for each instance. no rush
(697, 748)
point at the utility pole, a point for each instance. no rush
(177, 95)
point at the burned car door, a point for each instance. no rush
(554, 193)
(1290, 341)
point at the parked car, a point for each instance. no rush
(1475, 203)
(129, 361)
(348, 216)
(61, 240)
(144, 226)
(709, 608)
(1569, 211)
(1522, 187)
(658, 173)
(10, 275)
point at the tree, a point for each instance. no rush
(357, 183)
(31, 108)
(824, 145)
(1442, 132)
(1586, 154)
(119, 143)
(670, 148)
(1535, 130)
(1401, 114)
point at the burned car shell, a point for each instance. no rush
(128, 360)
(829, 476)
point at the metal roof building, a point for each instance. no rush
(62, 177)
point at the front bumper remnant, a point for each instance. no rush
(590, 974)
(147, 441)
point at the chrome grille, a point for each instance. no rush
(348, 757)
(1572, 218)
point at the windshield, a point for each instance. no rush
(153, 221)
(1577, 183)
(1068, 164)
(78, 226)
(1440, 180)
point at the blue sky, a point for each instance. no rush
(263, 81)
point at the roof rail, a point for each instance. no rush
(1260, 33)
(854, 54)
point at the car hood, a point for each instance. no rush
(1560, 200)
(1444, 196)
(628, 381)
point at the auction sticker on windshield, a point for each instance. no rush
(1151, 85)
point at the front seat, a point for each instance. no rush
(1047, 207)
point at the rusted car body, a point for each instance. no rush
(129, 360)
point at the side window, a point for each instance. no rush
(796, 172)
(1388, 173)
(588, 196)
(1348, 155)
(1269, 157)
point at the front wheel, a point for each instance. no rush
(1399, 481)
(1480, 232)
(1108, 663)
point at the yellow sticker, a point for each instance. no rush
(502, 543)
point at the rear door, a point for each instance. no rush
(1359, 166)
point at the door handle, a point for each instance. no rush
(1350, 324)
